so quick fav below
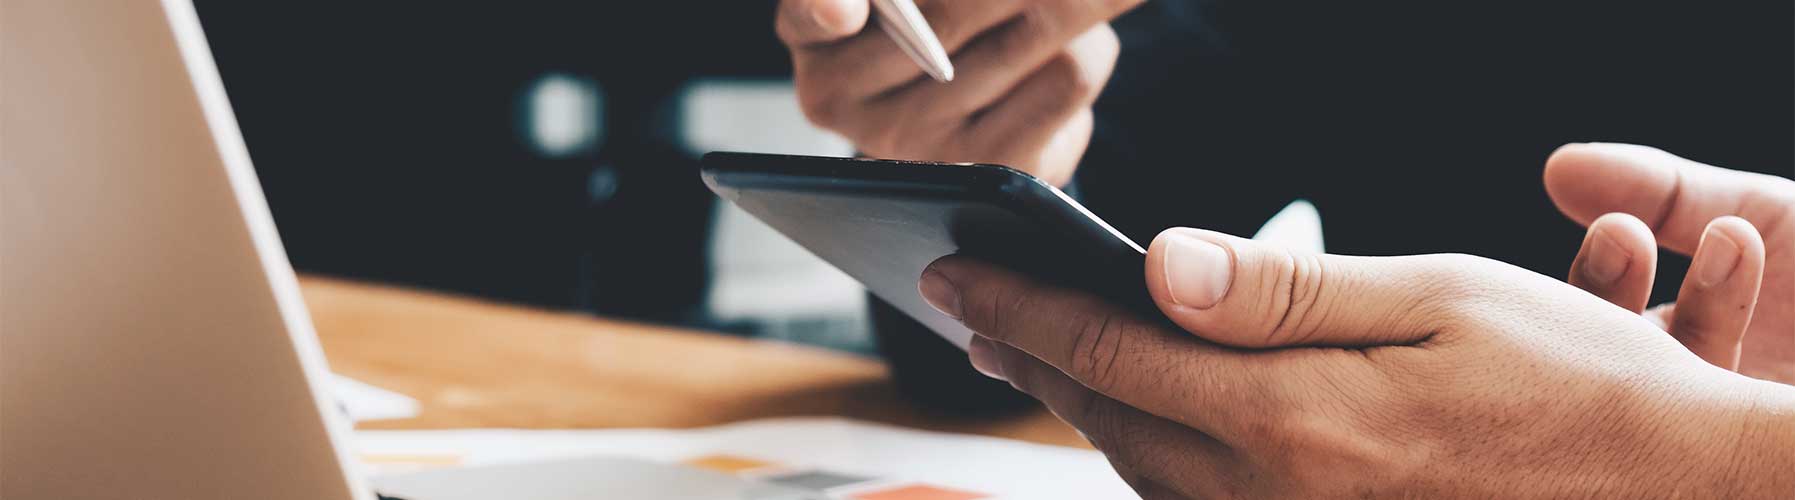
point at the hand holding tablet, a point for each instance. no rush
(882, 222)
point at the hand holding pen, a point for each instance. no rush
(1023, 76)
(912, 33)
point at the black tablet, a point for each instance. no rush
(883, 221)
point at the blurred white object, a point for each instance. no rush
(757, 116)
(564, 113)
(1000, 468)
(1298, 226)
(366, 402)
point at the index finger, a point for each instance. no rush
(806, 23)
(1110, 350)
(1676, 197)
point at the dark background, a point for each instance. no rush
(387, 138)
(387, 134)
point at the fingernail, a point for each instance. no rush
(984, 357)
(1606, 261)
(1719, 255)
(939, 293)
(1197, 271)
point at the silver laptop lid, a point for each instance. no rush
(153, 342)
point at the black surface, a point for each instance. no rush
(385, 133)
(386, 139)
(1422, 126)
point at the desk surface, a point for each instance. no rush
(472, 363)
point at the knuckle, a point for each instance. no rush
(1319, 457)
(1454, 273)
(1083, 68)
(1292, 284)
(1101, 424)
(991, 315)
(1096, 346)
(1066, 76)
(1341, 452)
(1072, 11)
(1086, 12)
(1047, 17)
(940, 16)
(1021, 375)
(819, 104)
(1304, 283)
(1771, 206)
(1456, 287)
(1469, 268)
(1034, 24)
(1081, 80)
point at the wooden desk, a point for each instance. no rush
(472, 363)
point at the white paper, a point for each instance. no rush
(362, 401)
(1000, 467)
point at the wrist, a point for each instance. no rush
(1765, 457)
(1721, 437)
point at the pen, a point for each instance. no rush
(905, 24)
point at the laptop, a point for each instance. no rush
(153, 341)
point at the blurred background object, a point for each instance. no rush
(544, 152)
(534, 152)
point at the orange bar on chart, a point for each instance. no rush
(728, 464)
(919, 492)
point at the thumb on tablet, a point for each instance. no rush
(1253, 294)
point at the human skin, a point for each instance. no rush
(1028, 72)
(1636, 199)
(1284, 374)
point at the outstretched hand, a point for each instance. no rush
(1739, 228)
(1296, 375)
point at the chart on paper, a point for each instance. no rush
(836, 458)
